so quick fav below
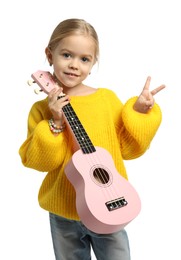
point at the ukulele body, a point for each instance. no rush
(105, 201)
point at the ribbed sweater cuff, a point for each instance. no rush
(141, 125)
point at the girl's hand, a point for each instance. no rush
(146, 100)
(56, 101)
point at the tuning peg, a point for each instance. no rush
(30, 82)
(37, 91)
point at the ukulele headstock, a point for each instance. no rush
(45, 81)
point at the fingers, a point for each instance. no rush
(156, 90)
(147, 83)
(56, 92)
(64, 98)
(57, 99)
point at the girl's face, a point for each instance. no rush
(72, 60)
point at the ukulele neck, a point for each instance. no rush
(78, 130)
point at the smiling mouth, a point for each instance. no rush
(71, 74)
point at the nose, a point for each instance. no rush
(73, 64)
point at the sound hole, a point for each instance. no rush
(101, 175)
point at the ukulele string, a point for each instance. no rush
(92, 157)
(83, 139)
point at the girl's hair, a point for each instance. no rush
(72, 27)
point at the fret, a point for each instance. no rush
(78, 130)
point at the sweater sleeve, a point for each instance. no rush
(42, 150)
(138, 129)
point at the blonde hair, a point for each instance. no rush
(71, 27)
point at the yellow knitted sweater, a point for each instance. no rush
(123, 132)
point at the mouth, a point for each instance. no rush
(71, 74)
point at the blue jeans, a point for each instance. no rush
(73, 241)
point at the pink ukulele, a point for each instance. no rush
(106, 202)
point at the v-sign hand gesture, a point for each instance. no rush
(146, 100)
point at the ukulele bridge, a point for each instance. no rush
(116, 204)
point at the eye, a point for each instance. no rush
(84, 59)
(66, 55)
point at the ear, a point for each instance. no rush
(49, 55)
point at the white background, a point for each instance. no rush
(137, 39)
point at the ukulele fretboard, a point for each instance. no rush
(78, 130)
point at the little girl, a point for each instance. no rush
(125, 130)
